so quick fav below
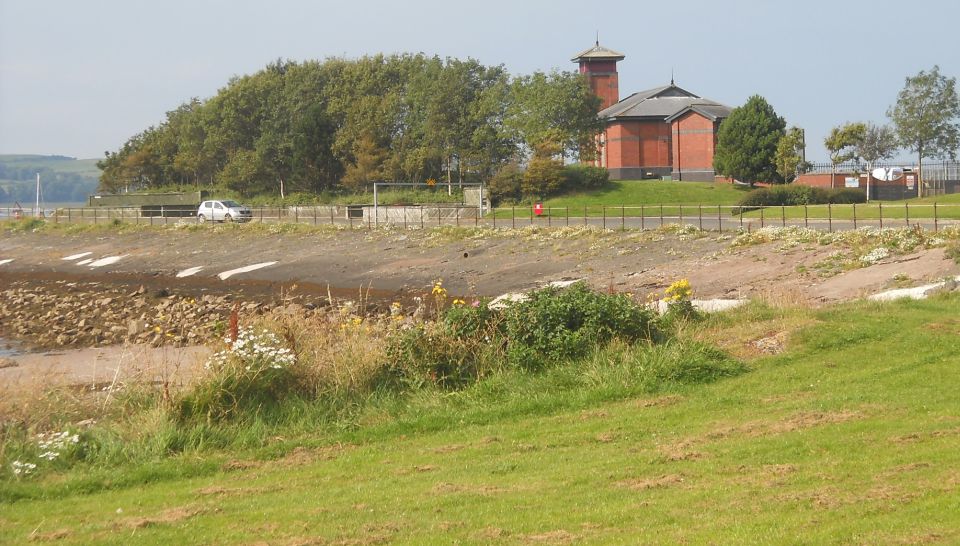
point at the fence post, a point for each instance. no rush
(830, 217)
(513, 216)
(681, 215)
(661, 214)
(493, 210)
(296, 215)
(438, 215)
(854, 215)
(456, 215)
(604, 217)
(761, 216)
(584, 215)
(623, 219)
(642, 218)
(783, 216)
(349, 218)
(700, 215)
(741, 217)
(906, 212)
(549, 220)
(806, 220)
(566, 213)
(880, 208)
(935, 226)
(315, 215)
(719, 219)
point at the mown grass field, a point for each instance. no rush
(849, 435)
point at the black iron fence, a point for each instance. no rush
(720, 218)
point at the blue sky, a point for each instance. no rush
(79, 78)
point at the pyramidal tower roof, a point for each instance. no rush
(598, 53)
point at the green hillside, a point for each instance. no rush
(848, 435)
(62, 179)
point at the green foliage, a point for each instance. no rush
(792, 195)
(926, 113)
(879, 142)
(507, 183)
(747, 142)
(789, 156)
(322, 126)
(557, 324)
(254, 373)
(844, 141)
(544, 176)
(558, 110)
(581, 177)
(551, 327)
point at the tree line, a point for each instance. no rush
(754, 144)
(339, 124)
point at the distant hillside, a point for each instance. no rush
(62, 179)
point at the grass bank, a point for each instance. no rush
(844, 431)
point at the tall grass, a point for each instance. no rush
(348, 376)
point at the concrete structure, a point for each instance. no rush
(665, 132)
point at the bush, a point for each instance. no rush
(553, 325)
(506, 183)
(794, 195)
(585, 177)
(562, 324)
(461, 347)
(846, 196)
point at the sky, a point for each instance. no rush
(80, 78)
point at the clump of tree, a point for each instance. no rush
(341, 124)
(747, 143)
(925, 117)
(790, 158)
(843, 144)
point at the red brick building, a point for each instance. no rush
(662, 132)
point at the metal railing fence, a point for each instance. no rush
(720, 218)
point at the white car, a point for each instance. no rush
(223, 211)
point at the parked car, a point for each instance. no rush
(223, 211)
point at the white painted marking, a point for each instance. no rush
(75, 256)
(8, 260)
(189, 272)
(917, 292)
(107, 261)
(227, 274)
(84, 262)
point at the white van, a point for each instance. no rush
(223, 211)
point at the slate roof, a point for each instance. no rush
(597, 53)
(665, 103)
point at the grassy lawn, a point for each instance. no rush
(848, 436)
(875, 210)
(631, 194)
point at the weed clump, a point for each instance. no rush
(254, 372)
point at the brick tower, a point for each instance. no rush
(599, 65)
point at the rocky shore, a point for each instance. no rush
(65, 314)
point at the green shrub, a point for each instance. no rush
(506, 183)
(585, 177)
(846, 196)
(796, 195)
(464, 345)
(564, 324)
